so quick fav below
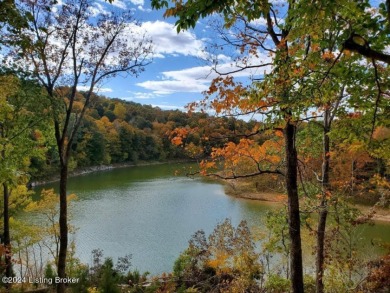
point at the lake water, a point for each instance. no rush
(150, 213)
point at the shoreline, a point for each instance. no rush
(101, 168)
(380, 214)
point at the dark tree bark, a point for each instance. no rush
(323, 214)
(6, 236)
(63, 222)
(363, 48)
(296, 267)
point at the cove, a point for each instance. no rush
(150, 213)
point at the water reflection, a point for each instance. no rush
(150, 213)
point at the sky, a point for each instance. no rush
(179, 72)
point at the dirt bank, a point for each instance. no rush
(380, 215)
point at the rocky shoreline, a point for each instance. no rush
(100, 168)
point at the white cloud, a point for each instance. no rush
(263, 22)
(190, 80)
(141, 96)
(117, 3)
(165, 87)
(169, 107)
(97, 89)
(141, 8)
(259, 22)
(98, 9)
(197, 79)
(120, 4)
(166, 40)
(137, 2)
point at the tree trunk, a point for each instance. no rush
(63, 221)
(323, 214)
(321, 247)
(293, 208)
(6, 237)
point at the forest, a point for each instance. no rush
(318, 136)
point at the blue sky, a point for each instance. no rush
(179, 72)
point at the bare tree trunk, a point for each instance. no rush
(323, 214)
(293, 208)
(63, 221)
(6, 237)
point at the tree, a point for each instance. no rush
(225, 260)
(48, 207)
(18, 120)
(309, 57)
(68, 46)
(282, 99)
(340, 82)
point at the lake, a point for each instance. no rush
(150, 213)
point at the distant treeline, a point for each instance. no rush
(118, 131)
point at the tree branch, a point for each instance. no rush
(364, 48)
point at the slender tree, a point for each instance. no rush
(67, 45)
(280, 99)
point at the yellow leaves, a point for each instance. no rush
(120, 111)
(105, 121)
(192, 150)
(347, 53)
(8, 86)
(78, 106)
(48, 202)
(356, 147)
(219, 261)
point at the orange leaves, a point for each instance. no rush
(229, 94)
(207, 165)
(279, 133)
(381, 133)
(180, 138)
(328, 56)
(281, 198)
(315, 47)
(177, 140)
(37, 134)
(177, 135)
(225, 95)
(327, 195)
(246, 156)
